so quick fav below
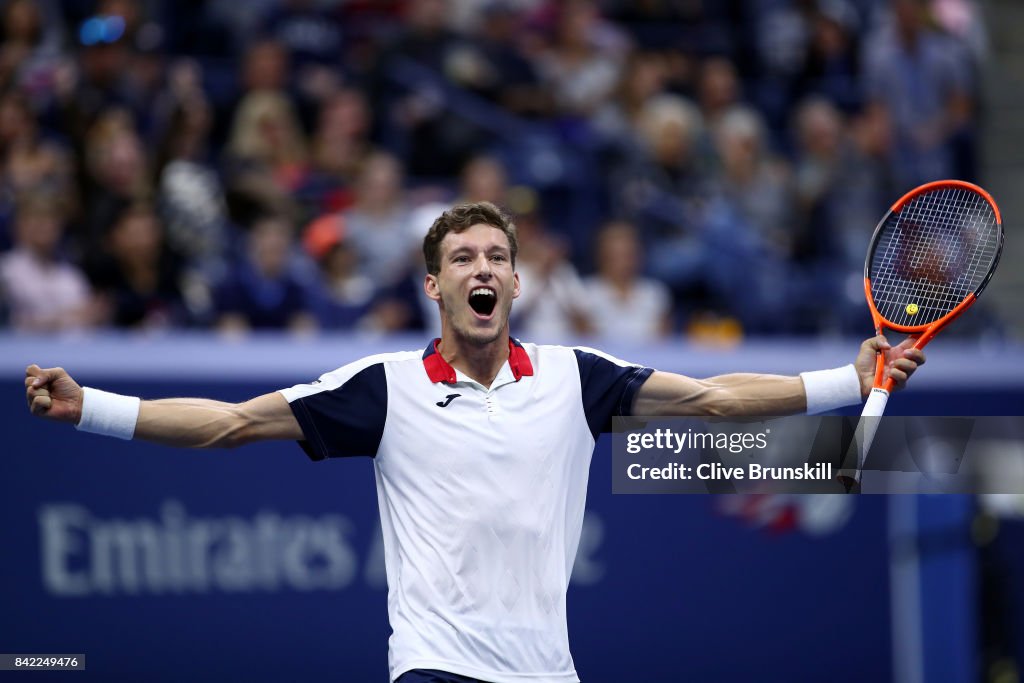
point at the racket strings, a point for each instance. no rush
(932, 254)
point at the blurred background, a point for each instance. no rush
(221, 198)
(709, 170)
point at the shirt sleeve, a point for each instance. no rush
(342, 414)
(609, 386)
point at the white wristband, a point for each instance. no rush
(108, 414)
(830, 389)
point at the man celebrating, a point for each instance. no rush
(481, 446)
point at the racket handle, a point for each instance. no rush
(870, 418)
(875, 405)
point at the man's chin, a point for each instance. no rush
(485, 336)
(468, 327)
(482, 335)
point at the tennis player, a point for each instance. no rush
(481, 446)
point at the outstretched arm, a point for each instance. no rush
(734, 395)
(184, 422)
(754, 395)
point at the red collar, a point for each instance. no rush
(438, 369)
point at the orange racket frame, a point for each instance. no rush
(922, 334)
(874, 407)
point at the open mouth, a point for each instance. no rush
(482, 300)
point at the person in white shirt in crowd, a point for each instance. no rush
(43, 292)
(621, 303)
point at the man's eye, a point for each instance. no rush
(461, 259)
(498, 257)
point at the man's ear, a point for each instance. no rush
(515, 285)
(432, 287)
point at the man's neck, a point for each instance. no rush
(479, 362)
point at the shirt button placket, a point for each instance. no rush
(491, 406)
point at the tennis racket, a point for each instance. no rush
(930, 258)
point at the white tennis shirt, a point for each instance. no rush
(481, 493)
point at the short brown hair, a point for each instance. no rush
(462, 217)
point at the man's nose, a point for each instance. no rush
(482, 267)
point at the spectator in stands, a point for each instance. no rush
(100, 82)
(660, 185)
(378, 221)
(436, 139)
(750, 231)
(404, 306)
(821, 153)
(831, 66)
(341, 145)
(314, 40)
(267, 157)
(191, 196)
(839, 190)
(261, 292)
(186, 116)
(781, 34)
(842, 189)
(964, 19)
(552, 302)
(621, 304)
(117, 174)
(582, 65)
(145, 55)
(484, 179)
(718, 91)
(43, 291)
(136, 276)
(495, 66)
(707, 238)
(29, 161)
(643, 77)
(344, 296)
(921, 81)
(30, 54)
(264, 66)
(756, 183)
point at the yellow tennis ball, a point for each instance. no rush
(912, 309)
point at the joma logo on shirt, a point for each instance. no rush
(447, 399)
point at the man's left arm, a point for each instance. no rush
(757, 395)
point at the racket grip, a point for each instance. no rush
(875, 405)
(870, 418)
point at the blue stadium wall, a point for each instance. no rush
(259, 565)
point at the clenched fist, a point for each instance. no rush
(51, 393)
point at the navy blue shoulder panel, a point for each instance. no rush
(345, 421)
(608, 389)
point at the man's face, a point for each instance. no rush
(476, 284)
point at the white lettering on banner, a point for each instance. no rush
(176, 553)
(57, 524)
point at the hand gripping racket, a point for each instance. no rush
(930, 258)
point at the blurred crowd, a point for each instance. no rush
(710, 168)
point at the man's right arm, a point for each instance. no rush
(182, 422)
